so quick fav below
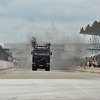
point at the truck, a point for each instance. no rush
(17, 62)
(41, 58)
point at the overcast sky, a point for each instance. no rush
(45, 19)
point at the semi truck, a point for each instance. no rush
(41, 58)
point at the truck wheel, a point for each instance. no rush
(48, 68)
(36, 68)
(45, 69)
(33, 68)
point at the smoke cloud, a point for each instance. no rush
(33, 41)
(42, 34)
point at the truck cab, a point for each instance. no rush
(41, 58)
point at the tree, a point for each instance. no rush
(0, 46)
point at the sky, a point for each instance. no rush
(45, 19)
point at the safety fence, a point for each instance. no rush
(61, 41)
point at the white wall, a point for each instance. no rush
(4, 64)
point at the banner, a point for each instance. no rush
(9, 58)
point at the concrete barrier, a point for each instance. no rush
(4, 65)
(87, 69)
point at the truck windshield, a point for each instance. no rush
(38, 53)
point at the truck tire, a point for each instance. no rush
(33, 68)
(48, 68)
(45, 69)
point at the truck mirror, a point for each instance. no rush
(50, 53)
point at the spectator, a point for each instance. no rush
(94, 65)
(90, 65)
(98, 65)
(87, 63)
(84, 65)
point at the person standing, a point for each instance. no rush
(82, 64)
(90, 65)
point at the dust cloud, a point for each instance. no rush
(61, 59)
(71, 57)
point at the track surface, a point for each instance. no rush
(20, 73)
(24, 84)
